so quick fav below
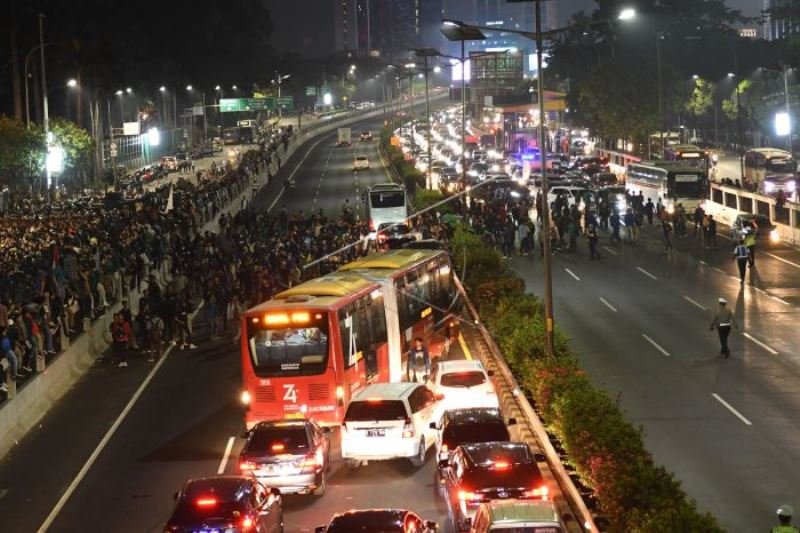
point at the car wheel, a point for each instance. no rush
(419, 459)
(323, 486)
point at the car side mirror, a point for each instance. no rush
(490, 373)
(432, 425)
(512, 422)
(430, 525)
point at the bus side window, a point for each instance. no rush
(402, 304)
(378, 316)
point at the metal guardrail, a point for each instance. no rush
(509, 389)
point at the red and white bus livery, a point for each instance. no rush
(307, 351)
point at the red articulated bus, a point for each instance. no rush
(307, 351)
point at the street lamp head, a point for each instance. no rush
(437, 69)
(731, 75)
(627, 14)
(420, 75)
(189, 87)
(128, 90)
(352, 67)
(695, 77)
(234, 87)
(119, 92)
(217, 88)
(162, 89)
(410, 65)
(452, 23)
(72, 82)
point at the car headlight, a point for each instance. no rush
(774, 236)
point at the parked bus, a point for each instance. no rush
(232, 135)
(386, 202)
(759, 163)
(672, 182)
(307, 351)
(689, 155)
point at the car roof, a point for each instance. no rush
(281, 424)
(471, 415)
(459, 365)
(225, 488)
(511, 511)
(482, 453)
(368, 519)
(386, 390)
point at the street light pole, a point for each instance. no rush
(659, 36)
(428, 121)
(463, 114)
(46, 116)
(788, 110)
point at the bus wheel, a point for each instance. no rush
(419, 459)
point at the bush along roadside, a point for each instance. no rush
(621, 482)
(412, 178)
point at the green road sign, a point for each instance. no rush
(285, 102)
(229, 105)
(311, 90)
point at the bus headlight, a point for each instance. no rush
(768, 186)
(245, 397)
(774, 236)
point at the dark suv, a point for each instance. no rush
(489, 471)
(292, 455)
(467, 426)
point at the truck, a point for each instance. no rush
(344, 137)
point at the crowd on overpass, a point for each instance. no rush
(63, 268)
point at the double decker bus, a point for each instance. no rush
(307, 351)
(689, 155)
(672, 182)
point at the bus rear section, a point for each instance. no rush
(287, 366)
(386, 203)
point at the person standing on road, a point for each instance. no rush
(649, 211)
(591, 233)
(723, 321)
(712, 232)
(699, 216)
(418, 366)
(785, 513)
(750, 242)
(666, 228)
(742, 256)
(120, 338)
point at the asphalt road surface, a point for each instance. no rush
(639, 321)
(175, 420)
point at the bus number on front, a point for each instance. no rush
(290, 393)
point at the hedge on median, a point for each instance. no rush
(607, 452)
(412, 178)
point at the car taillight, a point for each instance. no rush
(246, 466)
(539, 492)
(408, 429)
(445, 448)
(247, 524)
(314, 460)
(468, 496)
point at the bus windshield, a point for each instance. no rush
(686, 186)
(781, 165)
(387, 199)
(288, 351)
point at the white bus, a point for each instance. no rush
(386, 202)
(759, 163)
(668, 181)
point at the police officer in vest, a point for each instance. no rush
(785, 521)
(723, 321)
(742, 255)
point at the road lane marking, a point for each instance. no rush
(695, 303)
(296, 168)
(730, 408)
(767, 348)
(103, 443)
(571, 273)
(646, 273)
(225, 456)
(608, 304)
(464, 347)
(656, 345)
(610, 250)
(781, 259)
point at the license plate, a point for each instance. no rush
(376, 433)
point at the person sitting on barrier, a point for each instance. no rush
(11, 357)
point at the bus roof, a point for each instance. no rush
(382, 187)
(392, 260)
(674, 166)
(686, 148)
(335, 284)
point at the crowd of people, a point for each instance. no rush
(63, 268)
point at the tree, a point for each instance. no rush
(701, 99)
(77, 144)
(22, 153)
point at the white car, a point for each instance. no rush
(389, 421)
(463, 384)
(360, 161)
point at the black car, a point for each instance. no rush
(391, 236)
(234, 504)
(291, 455)
(366, 135)
(489, 471)
(383, 520)
(468, 426)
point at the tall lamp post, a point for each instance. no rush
(785, 72)
(538, 36)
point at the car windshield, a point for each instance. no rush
(463, 379)
(273, 440)
(491, 431)
(289, 351)
(188, 511)
(387, 199)
(391, 227)
(362, 411)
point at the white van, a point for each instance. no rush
(386, 202)
(389, 421)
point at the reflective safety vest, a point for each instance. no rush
(785, 529)
(742, 252)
